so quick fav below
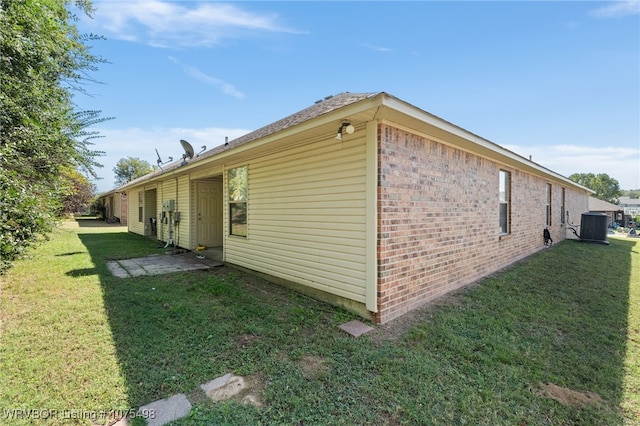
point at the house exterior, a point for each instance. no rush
(631, 207)
(613, 211)
(115, 205)
(401, 209)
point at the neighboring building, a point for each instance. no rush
(401, 209)
(615, 213)
(115, 205)
(631, 207)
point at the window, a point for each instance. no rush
(548, 204)
(505, 201)
(237, 187)
(140, 206)
(562, 208)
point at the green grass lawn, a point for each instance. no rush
(553, 340)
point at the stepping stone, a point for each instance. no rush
(355, 328)
(232, 387)
(166, 410)
(216, 383)
(122, 422)
(224, 387)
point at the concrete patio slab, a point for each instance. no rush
(158, 264)
(117, 270)
(355, 328)
(166, 410)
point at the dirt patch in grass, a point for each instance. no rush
(244, 389)
(313, 367)
(244, 341)
(568, 397)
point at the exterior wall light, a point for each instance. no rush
(345, 127)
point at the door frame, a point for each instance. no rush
(214, 180)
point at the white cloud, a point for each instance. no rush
(226, 88)
(617, 9)
(376, 48)
(173, 24)
(142, 143)
(620, 163)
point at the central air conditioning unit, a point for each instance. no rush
(593, 227)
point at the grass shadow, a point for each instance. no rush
(81, 272)
(93, 222)
(73, 253)
(174, 332)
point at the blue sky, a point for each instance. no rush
(559, 81)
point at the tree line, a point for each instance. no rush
(45, 144)
(606, 188)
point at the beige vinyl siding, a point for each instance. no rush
(133, 224)
(116, 203)
(306, 217)
(176, 189)
(182, 205)
(193, 212)
(164, 194)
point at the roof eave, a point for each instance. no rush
(492, 150)
(374, 106)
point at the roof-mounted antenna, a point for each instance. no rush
(204, 148)
(159, 160)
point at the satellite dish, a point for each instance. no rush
(188, 149)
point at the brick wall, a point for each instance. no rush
(438, 222)
(123, 209)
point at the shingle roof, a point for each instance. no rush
(321, 107)
(598, 205)
(629, 202)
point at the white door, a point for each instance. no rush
(209, 213)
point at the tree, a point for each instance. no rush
(607, 188)
(130, 168)
(43, 60)
(632, 193)
(79, 192)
